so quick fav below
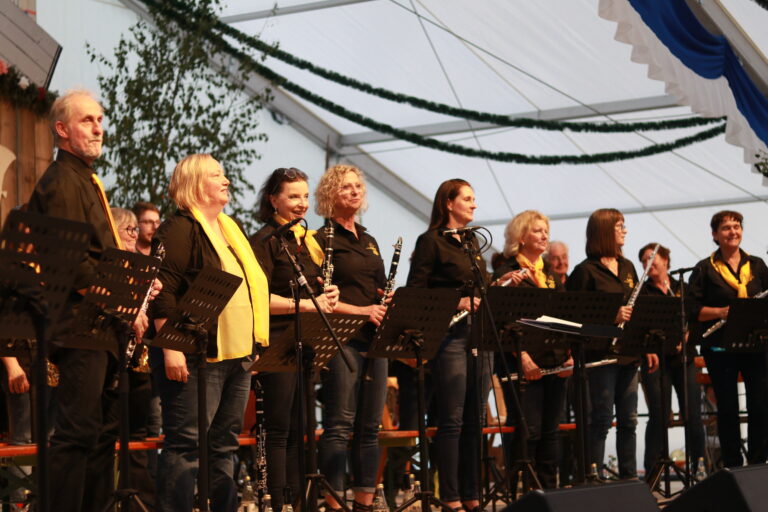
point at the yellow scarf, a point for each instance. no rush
(255, 280)
(315, 251)
(105, 204)
(536, 269)
(745, 275)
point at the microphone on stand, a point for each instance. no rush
(282, 229)
(682, 270)
(459, 231)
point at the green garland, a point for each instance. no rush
(188, 12)
(31, 97)
(247, 62)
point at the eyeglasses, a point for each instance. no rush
(147, 222)
(621, 227)
(131, 230)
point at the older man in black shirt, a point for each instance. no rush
(82, 445)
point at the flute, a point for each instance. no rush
(392, 270)
(638, 287)
(327, 268)
(722, 321)
(563, 368)
(461, 315)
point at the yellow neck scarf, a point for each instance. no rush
(315, 251)
(536, 269)
(745, 275)
(105, 204)
(254, 275)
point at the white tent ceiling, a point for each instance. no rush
(552, 59)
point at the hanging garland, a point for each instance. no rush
(247, 62)
(184, 10)
(17, 89)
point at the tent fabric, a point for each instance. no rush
(698, 68)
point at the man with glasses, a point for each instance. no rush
(149, 220)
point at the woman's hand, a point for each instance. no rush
(567, 373)
(140, 325)
(325, 303)
(653, 362)
(332, 293)
(389, 296)
(515, 277)
(175, 365)
(17, 377)
(464, 303)
(157, 287)
(376, 313)
(530, 369)
(624, 314)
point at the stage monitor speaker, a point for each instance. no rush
(618, 497)
(735, 490)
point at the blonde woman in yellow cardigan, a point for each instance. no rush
(198, 235)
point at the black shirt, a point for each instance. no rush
(649, 288)
(358, 269)
(66, 191)
(440, 262)
(592, 275)
(708, 288)
(546, 358)
(279, 271)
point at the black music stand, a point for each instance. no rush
(655, 328)
(196, 313)
(414, 326)
(103, 322)
(38, 258)
(747, 326)
(509, 305)
(281, 356)
(595, 312)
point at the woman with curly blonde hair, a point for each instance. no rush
(353, 404)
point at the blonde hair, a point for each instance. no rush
(518, 227)
(123, 217)
(186, 187)
(329, 187)
(61, 110)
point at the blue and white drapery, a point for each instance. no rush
(699, 69)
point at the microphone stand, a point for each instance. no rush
(524, 466)
(688, 473)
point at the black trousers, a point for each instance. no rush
(82, 447)
(724, 369)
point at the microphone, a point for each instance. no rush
(459, 231)
(682, 270)
(282, 229)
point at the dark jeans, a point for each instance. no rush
(608, 386)
(724, 369)
(352, 406)
(281, 404)
(227, 395)
(82, 452)
(655, 430)
(458, 425)
(543, 403)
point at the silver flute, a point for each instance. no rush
(563, 368)
(638, 287)
(722, 321)
(461, 315)
(327, 267)
(392, 270)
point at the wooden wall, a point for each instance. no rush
(29, 138)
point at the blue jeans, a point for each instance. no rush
(608, 386)
(352, 406)
(227, 396)
(652, 388)
(458, 426)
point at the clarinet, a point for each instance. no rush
(461, 315)
(558, 369)
(158, 252)
(722, 321)
(392, 270)
(327, 268)
(636, 291)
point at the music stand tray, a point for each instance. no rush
(747, 326)
(38, 259)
